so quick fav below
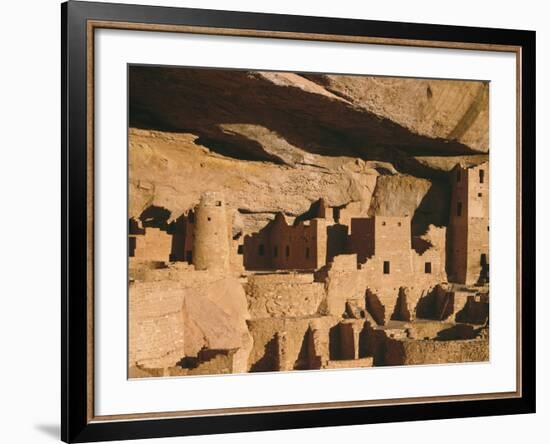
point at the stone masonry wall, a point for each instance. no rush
(283, 295)
(280, 246)
(343, 282)
(212, 233)
(469, 223)
(153, 245)
(273, 350)
(411, 352)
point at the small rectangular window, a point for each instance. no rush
(219, 203)
(275, 251)
(261, 249)
(481, 176)
(386, 267)
(131, 246)
(459, 209)
(479, 194)
(240, 249)
(428, 267)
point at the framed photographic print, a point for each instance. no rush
(276, 221)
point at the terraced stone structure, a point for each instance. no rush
(286, 221)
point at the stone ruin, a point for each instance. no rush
(334, 289)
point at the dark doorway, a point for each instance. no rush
(484, 275)
(428, 267)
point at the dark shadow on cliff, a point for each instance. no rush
(433, 209)
(235, 146)
(316, 209)
(198, 100)
(155, 217)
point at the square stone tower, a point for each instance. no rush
(468, 255)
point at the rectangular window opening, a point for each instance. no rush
(131, 246)
(428, 267)
(386, 267)
(481, 176)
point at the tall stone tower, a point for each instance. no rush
(468, 255)
(212, 233)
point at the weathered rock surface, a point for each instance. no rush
(331, 115)
(275, 141)
(402, 195)
(455, 111)
(171, 170)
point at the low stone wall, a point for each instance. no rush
(350, 363)
(307, 343)
(283, 295)
(266, 334)
(411, 352)
(400, 304)
(426, 329)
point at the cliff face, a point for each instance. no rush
(447, 110)
(279, 141)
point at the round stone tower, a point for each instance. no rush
(212, 234)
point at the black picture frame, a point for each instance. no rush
(77, 424)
